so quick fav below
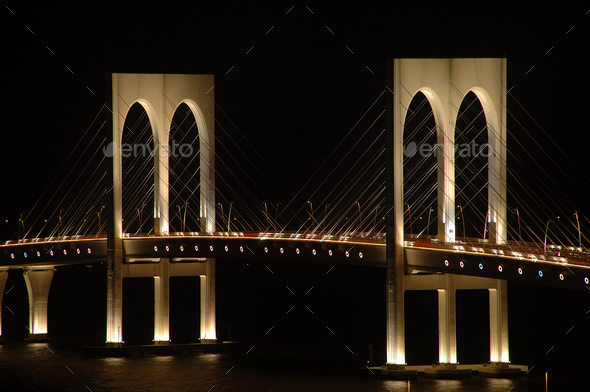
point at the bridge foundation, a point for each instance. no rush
(161, 271)
(446, 286)
(38, 283)
(3, 278)
(162, 303)
(447, 325)
(499, 322)
(208, 302)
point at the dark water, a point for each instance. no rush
(47, 367)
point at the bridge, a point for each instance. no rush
(444, 262)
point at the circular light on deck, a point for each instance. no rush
(297, 250)
(78, 250)
(265, 249)
(211, 248)
(313, 252)
(330, 252)
(38, 254)
(500, 268)
(361, 255)
(226, 248)
(12, 255)
(167, 248)
(561, 277)
(51, 252)
(447, 263)
(155, 248)
(540, 274)
(519, 271)
(282, 250)
(181, 248)
(242, 249)
(196, 248)
(586, 280)
(347, 254)
(461, 264)
(89, 250)
(25, 254)
(65, 252)
(480, 266)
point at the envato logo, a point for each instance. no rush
(462, 150)
(127, 150)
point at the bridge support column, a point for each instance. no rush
(499, 322)
(115, 299)
(38, 283)
(3, 278)
(447, 324)
(208, 331)
(162, 303)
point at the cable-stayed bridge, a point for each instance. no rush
(152, 196)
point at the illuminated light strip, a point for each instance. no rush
(576, 265)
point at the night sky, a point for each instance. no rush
(285, 78)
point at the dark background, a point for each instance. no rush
(292, 97)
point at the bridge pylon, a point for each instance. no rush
(160, 95)
(444, 83)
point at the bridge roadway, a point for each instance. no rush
(559, 266)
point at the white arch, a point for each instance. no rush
(445, 139)
(160, 168)
(496, 213)
(207, 167)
